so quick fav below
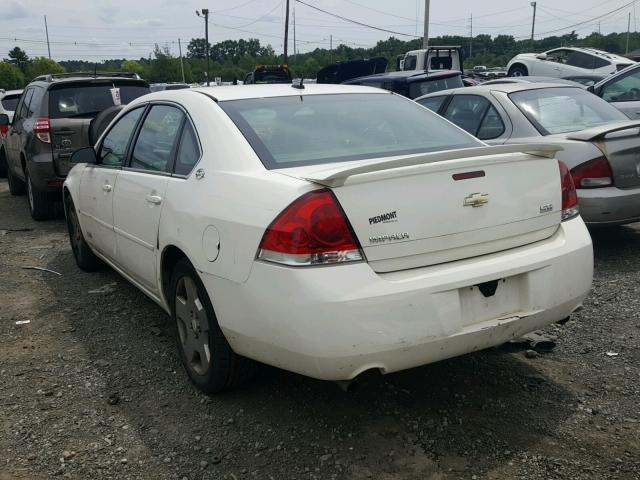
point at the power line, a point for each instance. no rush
(357, 22)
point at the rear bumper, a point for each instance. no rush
(333, 323)
(43, 174)
(609, 206)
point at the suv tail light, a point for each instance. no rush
(313, 230)
(42, 129)
(595, 173)
(4, 129)
(569, 195)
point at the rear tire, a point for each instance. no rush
(16, 186)
(40, 203)
(199, 336)
(518, 71)
(85, 258)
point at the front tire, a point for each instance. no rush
(205, 353)
(84, 256)
(40, 203)
(518, 71)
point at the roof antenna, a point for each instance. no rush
(298, 83)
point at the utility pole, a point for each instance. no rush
(628, 29)
(286, 34)
(331, 48)
(205, 15)
(181, 64)
(46, 29)
(425, 39)
(471, 36)
(295, 52)
(533, 24)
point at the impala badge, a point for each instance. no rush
(476, 200)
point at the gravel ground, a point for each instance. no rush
(92, 388)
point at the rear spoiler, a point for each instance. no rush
(594, 133)
(335, 175)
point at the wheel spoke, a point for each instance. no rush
(182, 310)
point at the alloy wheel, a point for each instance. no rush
(193, 326)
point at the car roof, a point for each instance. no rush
(531, 79)
(409, 75)
(502, 87)
(241, 92)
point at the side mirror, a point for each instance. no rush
(4, 120)
(84, 155)
(541, 56)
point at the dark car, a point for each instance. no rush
(342, 71)
(268, 74)
(57, 115)
(412, 84)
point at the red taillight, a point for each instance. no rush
(42, 129)
(313, 230)
(4, 129)
(595, 173)
(569, 195)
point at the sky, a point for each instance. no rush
(94, 30)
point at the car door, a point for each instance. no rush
(623, 92)
(98, 183)
(554, 64)
(140, 192)
(478, 116)
(16, 131)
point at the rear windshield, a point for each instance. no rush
(89, 100)
(9, 102)
(316, 129)
(563, 110)
(272, 76)
(417, 89)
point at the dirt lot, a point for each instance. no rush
(91, 388)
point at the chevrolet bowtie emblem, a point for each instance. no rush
(476, 200)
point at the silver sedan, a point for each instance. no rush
(600, 144)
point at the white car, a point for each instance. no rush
(328, 230)
(566, 62)
(8, 101)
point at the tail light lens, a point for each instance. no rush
(569, 195)
(42, 129)
(4, 129)
(313, 230)
(595, 173)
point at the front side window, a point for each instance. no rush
(558, 56)
(410, 62)
(417, 89)
(157, 138)
(562, 110)
(626, 89)
(114, 145)
(318, 129)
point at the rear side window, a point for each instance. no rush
(114, 145)
(433, 103)
(418, 89)
(23, 110)
(157, 138)
(317, 129)
(87, 100)
(188, 152)
(35, 104)
(10, 102)
(475, 115)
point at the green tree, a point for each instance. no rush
(197, 48)
(11, 77)
(19, 58)
(164, 67)
(134, 66)
(43, 66)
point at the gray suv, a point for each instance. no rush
(57, 115)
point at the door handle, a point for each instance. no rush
(107, 188)
(154, 199)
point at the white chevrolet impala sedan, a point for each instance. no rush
(327, 230)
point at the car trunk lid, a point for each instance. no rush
(419, 210)
(620, 144)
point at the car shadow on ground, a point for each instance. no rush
(459, 415)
